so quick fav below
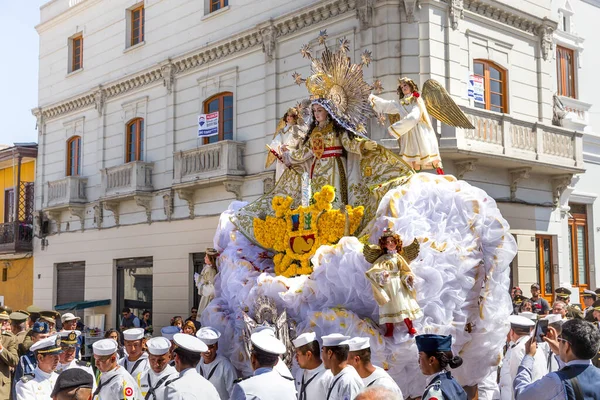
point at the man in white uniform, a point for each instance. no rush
(155, 379)
(40, 384)
(115, 382)
(345, 383)
(190, 385)
(136, 361)
(520, 328)
(69, 342)
(280, 367)
(359, 357)
(312, 379)
(266, 383)
(214, 367)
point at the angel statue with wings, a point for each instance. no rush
(392, 281)
(289, 133)
(411, 125)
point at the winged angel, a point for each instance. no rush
(411, 125)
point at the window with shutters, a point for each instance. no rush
(544, 265)
(578, 249)
(494, 86)
(565, 71)
(223, 103)
(134, 285)
(70, 284)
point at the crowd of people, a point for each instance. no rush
(39, 361)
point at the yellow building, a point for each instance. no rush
(17, 173)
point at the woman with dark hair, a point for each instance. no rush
(435, 356)
(116, 336)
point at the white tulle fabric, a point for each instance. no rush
(462, 277)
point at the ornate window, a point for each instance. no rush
(135, 140)
(76, 53)
(565, 71)
(578, 249)
(223, 103)
(137, 25)
(494, 86)
(218, 4)
(74, 156)
(544, 265)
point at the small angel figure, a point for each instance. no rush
(205, 280)
(413, 128)
(392, 282)
(290, 133)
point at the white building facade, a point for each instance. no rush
(130, 197)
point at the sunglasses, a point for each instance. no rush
(560, 339)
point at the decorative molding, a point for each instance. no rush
(559, 184)
(39, 119)
(79, 212)
(167, 69)
(268, 36)
(365, 10)
(234, 187)
(456, 12)
(167, 197)
(516, 176)
(464, 166)
(100, 100)
(249, 39)
(146, 202)
(545, 34)
(188, 196)
(56, 217)
(113, 207)
(98, 215)
(409, 8)
(268, 184)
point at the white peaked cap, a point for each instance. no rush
(553, 318)
(157, 346)
(208, 335)
(358, 343)
(520, 321)
(133, 334)
(105, 347)
(530, 315)
(169, 331)
(189, 343)
(304, 339)
(335, 339)
(267, 343)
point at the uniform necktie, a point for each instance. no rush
(152, 389)
(102, 384)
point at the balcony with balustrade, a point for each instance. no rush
(210, 165)
(66, 192)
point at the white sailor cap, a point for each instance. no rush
(208, 335)
(267, 343)
(189, 343)
(157, 346)
(169, 331)
(304, 339)
(553, 318)
(358, 343)
(105, 347)
(518, 321)
(133, 334)
(529, 315)
(334, 339)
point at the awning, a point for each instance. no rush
(81, 305)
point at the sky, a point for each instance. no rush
(19, 69)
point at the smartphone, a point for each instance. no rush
(541, 330)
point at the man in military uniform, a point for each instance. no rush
(40, 383)
(312, 378)
(28, 361)
(589, 297)
(214, 367)
(360, 358)
(517, 301)
(18, 325)
(136, 361)
(34, 315)
(115, 382)
(8, 355)
(70, 344)
(564, 295)
(266, 381)
(154, 380)
(190, 385)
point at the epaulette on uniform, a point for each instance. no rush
(83, 363)
(27, 377)
(238, 380)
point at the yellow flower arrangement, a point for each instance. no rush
(296, 234)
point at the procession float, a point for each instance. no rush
(358, 240)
